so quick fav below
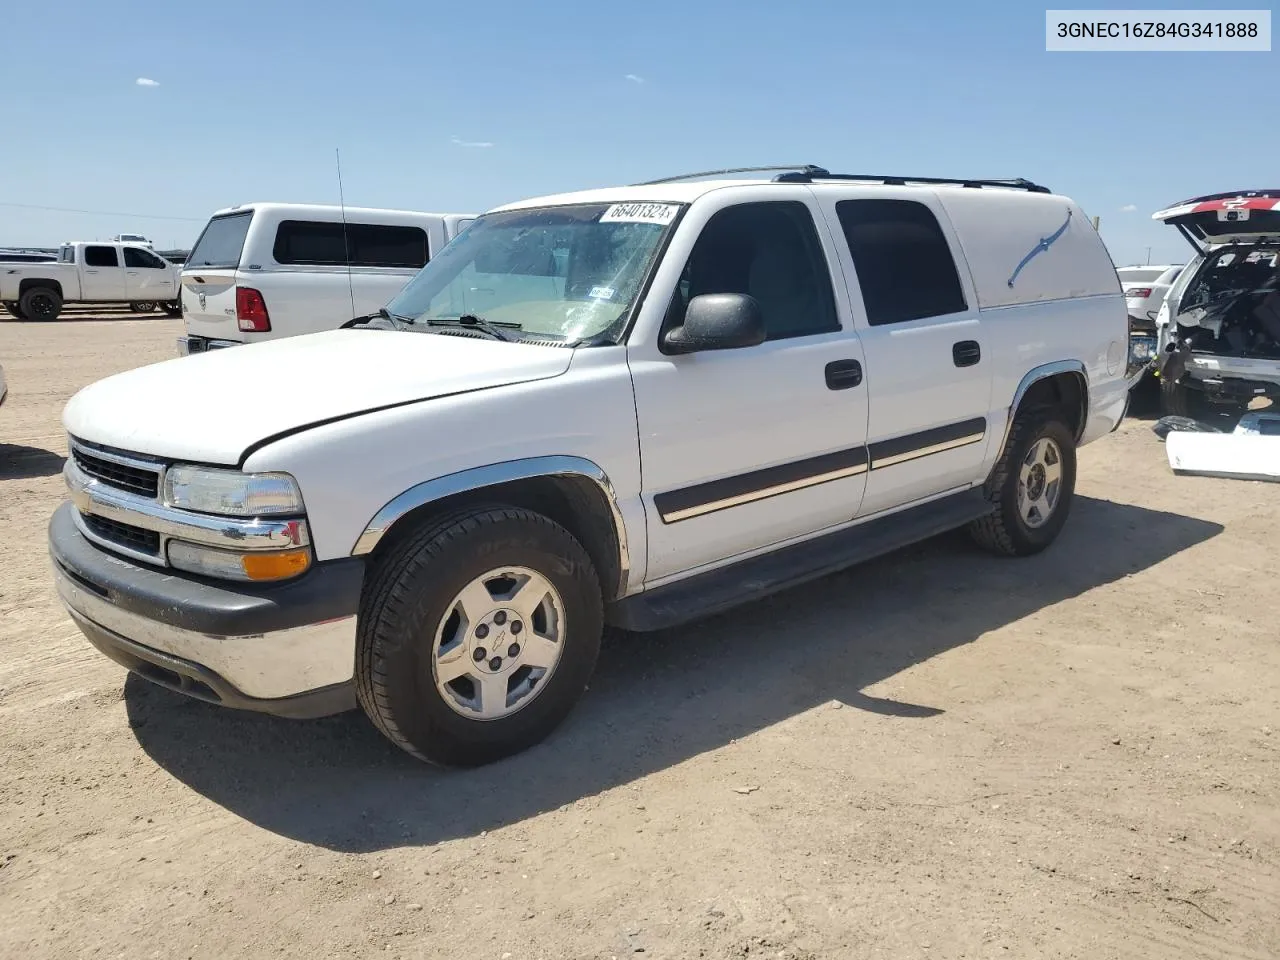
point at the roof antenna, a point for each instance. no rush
(346, 244)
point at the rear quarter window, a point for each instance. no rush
(222, 242)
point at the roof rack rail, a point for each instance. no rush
(808, 173)
(792, 167)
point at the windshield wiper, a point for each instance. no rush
(477, 323)
(397, 322)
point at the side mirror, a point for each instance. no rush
(717, 321)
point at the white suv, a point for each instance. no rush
(1219, 327)
(637, 406)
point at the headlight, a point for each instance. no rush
(231, 493)
(236, 565)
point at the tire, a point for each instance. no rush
(1177, 400)
(14, 309)
(413, 605)
(173, 308)
(41, 303)
(1008, 530)
(143, 306)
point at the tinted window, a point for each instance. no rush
(133, 257)
(222, 241)
(770, 251)
(371, 245)
(905, 268)
(100, 257)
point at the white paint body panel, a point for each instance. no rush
(81, 284)
(349, 469)
(301, 298)
(211, 407)
(1240, 456)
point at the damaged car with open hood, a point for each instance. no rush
(1218, 331)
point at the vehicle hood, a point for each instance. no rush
(1248, 216)
(212, 407)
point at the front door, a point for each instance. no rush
(745, 448)
(928, 362)
(101, 275)
(147, 276)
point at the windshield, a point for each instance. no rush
(568, 273)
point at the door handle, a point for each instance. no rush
(91, 271)
(843, 374)
(966, 353)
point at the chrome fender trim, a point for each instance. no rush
(1039, 373)
(478, 478)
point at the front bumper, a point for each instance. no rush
(286, 649)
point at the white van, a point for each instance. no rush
(262, 271)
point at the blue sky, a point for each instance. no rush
(463, 106)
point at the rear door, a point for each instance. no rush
(928, 362)
(102, 274)
(147, 276)
(209, 277)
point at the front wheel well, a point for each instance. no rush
(1065, 393)
(576, 503)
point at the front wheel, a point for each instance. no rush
(478, 634)
(143, 306)
(1031, 487)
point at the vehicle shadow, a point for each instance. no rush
(656, 699)
(19, 462)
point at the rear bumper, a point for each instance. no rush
(287, 649)
(192, 344)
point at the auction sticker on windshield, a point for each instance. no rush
(660, 213)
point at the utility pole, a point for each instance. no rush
(1148, 256)
(1096, 221)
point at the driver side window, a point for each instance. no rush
(770, 251)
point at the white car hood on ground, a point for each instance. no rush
(212, 407)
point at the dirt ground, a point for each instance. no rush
(938, 755)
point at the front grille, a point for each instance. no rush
(115, 474)
(124, 535)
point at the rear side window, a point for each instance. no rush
(318, 243)
(133, 257)
(101, 257)
(904, 265)
(222, 242)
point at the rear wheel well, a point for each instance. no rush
(31, 283)
(576, 503)
(1063, 393)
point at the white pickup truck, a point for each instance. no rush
(91, 273)
(637, 406)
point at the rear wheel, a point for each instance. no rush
(143, 306)
(1031, 487)
(478, 634)
(173, 308)
(41, 303)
